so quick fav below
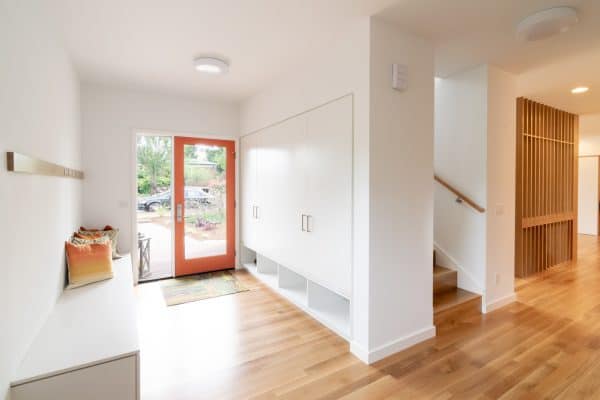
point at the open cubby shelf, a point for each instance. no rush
(292, 286)
(326, 306)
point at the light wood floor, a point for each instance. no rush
(254, 345)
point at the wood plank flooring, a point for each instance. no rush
(255, 345)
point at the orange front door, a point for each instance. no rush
(204, 182)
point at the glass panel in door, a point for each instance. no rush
(204, 197)
(204, 175)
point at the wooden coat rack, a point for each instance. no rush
(17, 162)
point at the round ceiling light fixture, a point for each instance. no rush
(211, 65)
(580, 89)
(547, 23)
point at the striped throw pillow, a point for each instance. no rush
(88, 263)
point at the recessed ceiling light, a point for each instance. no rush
(580, 89)
(547, 23)
(211, 65)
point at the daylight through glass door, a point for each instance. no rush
(154, 215)
(205, 201)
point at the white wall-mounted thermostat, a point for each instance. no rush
(399, 77)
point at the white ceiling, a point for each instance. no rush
(151, 43)
(468, 33)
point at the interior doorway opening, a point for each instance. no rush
(154, 214)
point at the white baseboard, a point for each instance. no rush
(381, 352)
(501, 302)
(360, 352)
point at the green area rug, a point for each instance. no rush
(200, 287)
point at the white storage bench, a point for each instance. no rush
(88, 347)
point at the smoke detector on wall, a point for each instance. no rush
(547, 23)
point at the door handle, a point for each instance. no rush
(303, 229)
(257, 209)
(179, 212)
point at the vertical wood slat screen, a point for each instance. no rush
(546, 195)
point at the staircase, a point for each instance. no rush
(451, 304)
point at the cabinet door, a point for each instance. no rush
(328, 198)
(290, 183)
(248, 173)
(266, 191)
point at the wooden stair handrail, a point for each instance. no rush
(460, 197)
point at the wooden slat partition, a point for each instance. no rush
(546, 195)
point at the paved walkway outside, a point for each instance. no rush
(161, 245)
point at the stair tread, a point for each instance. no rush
(445, 300)
(439, 270)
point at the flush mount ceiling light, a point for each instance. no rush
(580, 89)
(211, 65)
(547, 23)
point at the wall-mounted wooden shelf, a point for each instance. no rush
(16, 162)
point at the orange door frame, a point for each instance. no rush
(212, 263)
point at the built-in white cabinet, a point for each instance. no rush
(296, 202)
(328, 195)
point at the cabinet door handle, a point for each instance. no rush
(257, 215)
(308, 219)
(303, 230)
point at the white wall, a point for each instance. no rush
(501, 188)
(475, 152)
(401, 192)
(111, 117)
(589, 135)
(39, 116)
(342, 69)
(589, 145)
(461, 159)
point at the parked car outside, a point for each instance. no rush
(194, 196)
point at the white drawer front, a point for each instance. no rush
(115, 380)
